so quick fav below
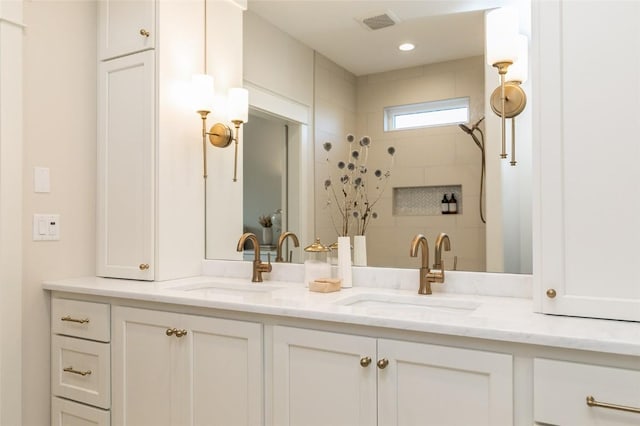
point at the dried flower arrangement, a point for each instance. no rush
(350, 192)
(265, 221)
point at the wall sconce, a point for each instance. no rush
(505, 52)
(220, 135)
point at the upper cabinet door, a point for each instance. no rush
(126, 168)
(125, 26)
(587, 156)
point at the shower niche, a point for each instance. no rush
(425, 200)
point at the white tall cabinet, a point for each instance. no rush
(587, 103)
(150, 220)
(324, 378)
(125, 202)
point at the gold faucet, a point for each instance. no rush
(425, 275)
(258, 266)
(281, 239)
(435, 275)
(438, 263)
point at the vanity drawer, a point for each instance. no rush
(81, 370)
(87, 320)
(561, 389)
(67, 413)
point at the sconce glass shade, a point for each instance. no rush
(202, 87)
(238, 104)
(519, 71)
(501, 31)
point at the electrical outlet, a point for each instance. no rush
(46, 227)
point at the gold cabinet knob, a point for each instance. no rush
(144, 266)
(175, 332)
(551, 293)
(382, 364)
(365, 361)
(144, 32)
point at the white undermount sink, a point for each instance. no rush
(226, 288)
(393, 303)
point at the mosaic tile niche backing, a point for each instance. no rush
(423, 200)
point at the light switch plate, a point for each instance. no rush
(46, 227)
(41, 179)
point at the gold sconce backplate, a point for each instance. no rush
(515, 100)
(220, 135)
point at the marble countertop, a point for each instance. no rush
(509, 319)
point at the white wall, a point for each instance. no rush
(224, 62)
(59, 133)
(276, 61)
(11, 137)
(509, 188)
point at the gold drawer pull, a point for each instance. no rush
(81, 373)
(591, 402)
(79, 321)
(175, 332)
(143, 267)
(144, 33)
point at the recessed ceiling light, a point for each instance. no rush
(405, 47)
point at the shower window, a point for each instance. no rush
(426, 114)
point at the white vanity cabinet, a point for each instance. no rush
(80, 363)
(561, 390)
(150, 189)
(322, 378)
(178, 369)
(125, 27)
(586, 150)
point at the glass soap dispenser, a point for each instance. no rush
(315, 263)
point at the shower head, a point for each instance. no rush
(465, 128)
(475, 126)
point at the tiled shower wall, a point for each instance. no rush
(436, 156)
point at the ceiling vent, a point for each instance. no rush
(380, 21)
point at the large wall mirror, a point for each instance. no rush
(318, 71)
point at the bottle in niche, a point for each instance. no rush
(444, 205)
(453, 204)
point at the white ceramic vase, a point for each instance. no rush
(267, 236)
(344, 261)
(359, 250)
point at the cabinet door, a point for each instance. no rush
(210, 375)
(225, 372)
(125, 197)
(148, 381)
(437, 385)
(586, 151)
(318, 378)
(125, 26)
